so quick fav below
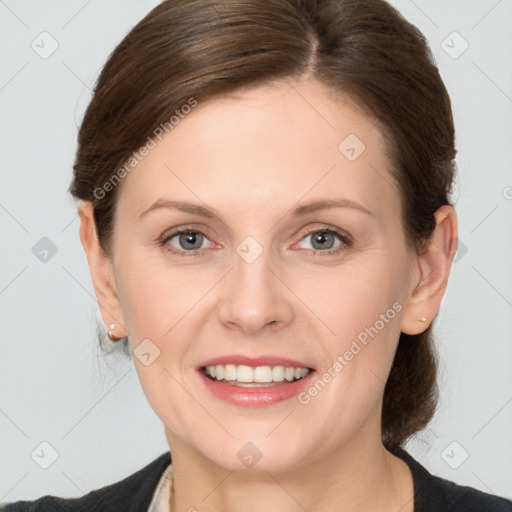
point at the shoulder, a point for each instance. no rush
(461, 498)
(435, 494)
(133, 493)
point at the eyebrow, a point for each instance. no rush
(304, 209)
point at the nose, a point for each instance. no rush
(254, 297)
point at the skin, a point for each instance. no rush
(251, 157)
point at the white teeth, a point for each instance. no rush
(261, 374)
(230, 372)
(278, 373)
(244, 373)
(289, 374)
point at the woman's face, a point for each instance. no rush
(250, 285)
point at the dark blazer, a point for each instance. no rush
(134, 494)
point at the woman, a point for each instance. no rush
(264, 202)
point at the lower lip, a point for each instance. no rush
(256, 396)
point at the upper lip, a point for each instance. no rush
(254, 361)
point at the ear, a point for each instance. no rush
(101, 271)
(434, 266)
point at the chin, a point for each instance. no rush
(257, 456)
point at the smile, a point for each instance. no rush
(249, 376)
(255, 386)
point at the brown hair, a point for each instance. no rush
(200, 49)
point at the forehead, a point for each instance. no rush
(268, 146)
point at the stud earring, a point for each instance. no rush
(111, 335)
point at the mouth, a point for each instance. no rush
(254, 376)
(259, 381)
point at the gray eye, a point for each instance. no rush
(188, 240)
(324, 239)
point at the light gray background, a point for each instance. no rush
(89, 408)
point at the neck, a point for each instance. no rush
(361, 476)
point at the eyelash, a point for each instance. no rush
(346, 241)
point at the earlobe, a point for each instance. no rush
(414, 318)
(100, 268)
(434, 265)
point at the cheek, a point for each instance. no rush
(358, 307)
(155, 298)
(363, 314)
(350, 298)
(158, 304)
